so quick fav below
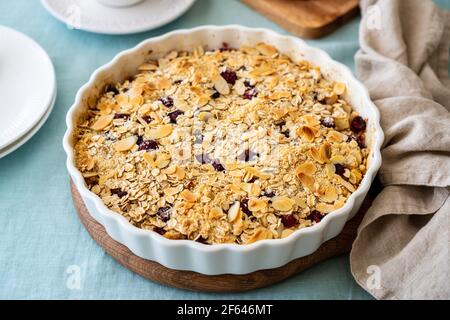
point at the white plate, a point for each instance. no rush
(91, 15)
(27, 85)
(27, 136)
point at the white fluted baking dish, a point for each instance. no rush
(222, 258)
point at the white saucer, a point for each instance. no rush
(90, 15)
(28, 135)
(27, 85)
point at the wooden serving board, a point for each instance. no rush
(219, 283)
(307, 18)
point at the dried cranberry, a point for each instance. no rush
(328, 122)
(225, 47)
(253, 179)
(139, 140)
(315, 216)
(174, 115)
(148, 145)
(164, 213)
(289, 220)
(147, 119)
(360, 139)
(167, 101)
(217, 165)
(215, 95)
(202, 240)
(339, 169)
(358, 124)
(248, 85)
(119, 192)
(111, 88)
(121, 116)
(250, 94)
(189, 185)
(230, 76)
(268, 193)
(247, 155)
(159, 230)
(244, 207)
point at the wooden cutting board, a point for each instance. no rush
(189, 280)
(307, 18)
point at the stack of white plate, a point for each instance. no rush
(27, 89)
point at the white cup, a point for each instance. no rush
(119, 3)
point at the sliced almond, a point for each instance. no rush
(180, 173)
(334, 136)
(306, 132)
(337, 159)
(149, 158)
(260, 234)
(282, 203)
(164, 84)
(307, 181)
(181, 104)
(202, 100)
(221, 85)
(240, 87)
(234, 212)
(329, 194)
(145, 109)
(160, 132)
(286, 232)
(215, 213)
(307, 168)
(325, 152)
(147, 67)
(188, 196)
(345, 183)
(102, 122)
(162, 160)
(90, 163)
(171, 170)
(342, 123)
(247, 187)
(264, 70)
(171, 191)
(266, 49)
(279, 113)
(255, 190)
(255, 204)
(310, 120)
(256, 173)
(324, 207)
(125, 144)
(205, 116)
(339, 88)
(315, 154)
(280, 95)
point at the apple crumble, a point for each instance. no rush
(223, 146)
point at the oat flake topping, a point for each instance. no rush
(223, 146)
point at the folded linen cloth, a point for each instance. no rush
(402, 247)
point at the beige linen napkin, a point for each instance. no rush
(402, 247)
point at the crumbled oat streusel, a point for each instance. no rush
(223, 146)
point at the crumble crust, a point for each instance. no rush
(223, 146)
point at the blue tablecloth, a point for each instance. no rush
(43, 245)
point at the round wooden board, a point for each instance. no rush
(219, 283)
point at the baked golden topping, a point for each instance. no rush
(223, 146)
